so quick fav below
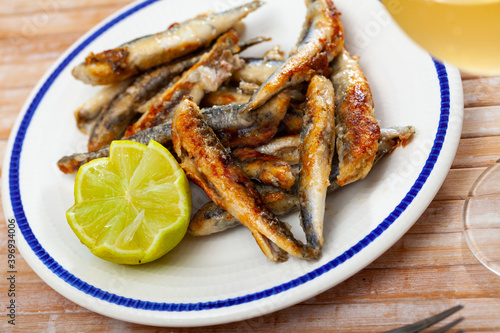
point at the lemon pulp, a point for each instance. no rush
(132, 207)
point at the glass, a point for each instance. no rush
(482, 218)
(465, 33)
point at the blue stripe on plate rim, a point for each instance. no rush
(72, 280)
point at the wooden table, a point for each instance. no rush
(428, 270)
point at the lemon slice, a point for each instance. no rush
(132, 207)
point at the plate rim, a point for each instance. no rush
(12, 195)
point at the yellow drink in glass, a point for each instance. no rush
(465, 33)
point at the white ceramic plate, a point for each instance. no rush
(225, 277)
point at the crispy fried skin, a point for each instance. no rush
(206, 75)
(150, 51)
(208, 164)
(357, 130)
(211, 218)
(316, 153)
(263, 124)
(87, 114)
(322, 38)
(121, 111)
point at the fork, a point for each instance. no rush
(423, 324)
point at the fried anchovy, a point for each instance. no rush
(316, 153)
(243, 45)
(113, 121)
(322, 39)
(262, 123)
(286, 147)
(206, 75)
(254, 128)
(265, 168)
(356, 128)
(255, 71)
(144, 53)
(88, 112)
(212, 219)
(391, 138)
(209, 166)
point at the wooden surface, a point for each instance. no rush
(427, 271)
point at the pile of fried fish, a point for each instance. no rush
(261, 136)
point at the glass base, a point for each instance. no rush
(481, 218)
